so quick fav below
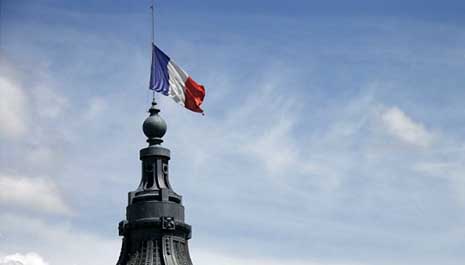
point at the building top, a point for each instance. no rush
(154, 231)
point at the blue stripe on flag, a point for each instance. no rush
(159, 78)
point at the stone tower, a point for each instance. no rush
(154, 232)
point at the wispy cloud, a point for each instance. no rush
(202, 256)
(404, 128)
(49, 103)
(13, 109)
(95, 108)
(36, 194)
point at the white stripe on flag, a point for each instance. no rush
(177, 82)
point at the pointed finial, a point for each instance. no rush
(154, 126)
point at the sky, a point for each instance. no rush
(334, 130)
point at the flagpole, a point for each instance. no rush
(152, 7)
(1, 25)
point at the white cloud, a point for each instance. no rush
(36, 194)
(405, 129)
(205, 257)
(59, 243)
(12, 109)
(19, 259)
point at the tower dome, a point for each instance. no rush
(154, 231)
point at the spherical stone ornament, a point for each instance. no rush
(154, 126)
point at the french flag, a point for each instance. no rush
(170, 80)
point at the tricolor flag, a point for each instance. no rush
(170, 80)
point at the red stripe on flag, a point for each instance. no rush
(195, 94)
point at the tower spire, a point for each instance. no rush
(154, 231)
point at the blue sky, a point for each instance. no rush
(334, 132)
